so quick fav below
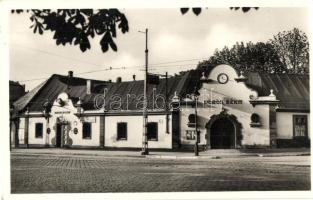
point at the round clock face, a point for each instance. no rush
(222, 78)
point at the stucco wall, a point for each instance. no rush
(73, 122)
(76, 122)
(31, 131)
(21, 131)
(135, 131)
(285, 124)
(230, 90)
(64, 114)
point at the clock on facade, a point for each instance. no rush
(222, 78)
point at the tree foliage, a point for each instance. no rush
(248, 57)
(197, 11)
(78, 26)
(293, 50)
(270, 57)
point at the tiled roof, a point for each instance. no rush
(16, 91)
(293, 90)
(22, 102)
(56, 84)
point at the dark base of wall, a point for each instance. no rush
(281, 143)
(138, 149)
(190, 148)
(291, 143)
(35, 146)
(255, 147)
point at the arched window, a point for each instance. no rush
(255, 120)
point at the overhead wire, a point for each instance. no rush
(153, 66)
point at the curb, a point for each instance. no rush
(171, 157)
(77, 154)
(157, 156)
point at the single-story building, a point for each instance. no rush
(229, 109)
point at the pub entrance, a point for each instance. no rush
(60, 139)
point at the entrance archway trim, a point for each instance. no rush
(233, 119)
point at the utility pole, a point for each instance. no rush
(196, 147)
(144, 150)
(166, 102)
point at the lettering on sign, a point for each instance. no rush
(225, 101)
(62, 112)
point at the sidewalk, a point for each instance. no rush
(216, 153)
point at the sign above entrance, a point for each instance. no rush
(62, 112)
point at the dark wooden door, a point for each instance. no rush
(222, 134)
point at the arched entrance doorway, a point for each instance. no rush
(223, 131)
(222, 134)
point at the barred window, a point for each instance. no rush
(300, 125)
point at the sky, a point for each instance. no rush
(176, 42)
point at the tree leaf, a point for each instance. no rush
(82, 47)
(113, 46)
(35, 29)
(105, 47)
(104, 43)
(40, 30)
(196, 11)
(184, 10)
(245, 9)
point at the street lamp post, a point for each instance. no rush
(46, 111)
(197, 135)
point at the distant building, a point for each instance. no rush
(233, 111)
(16, 91)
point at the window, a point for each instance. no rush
(38, 130)
(192, 120)
(152, 131)
(122, 131)
(300, 126)
(86, 130)
(190, 134)
(255, 120)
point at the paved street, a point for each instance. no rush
(43, 173)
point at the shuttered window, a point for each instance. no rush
(300, 125)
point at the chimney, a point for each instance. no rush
(134, 77)
(88, 87)
(69, 80)
(70, 74)
(119, 79)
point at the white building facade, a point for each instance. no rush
(221, 105)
